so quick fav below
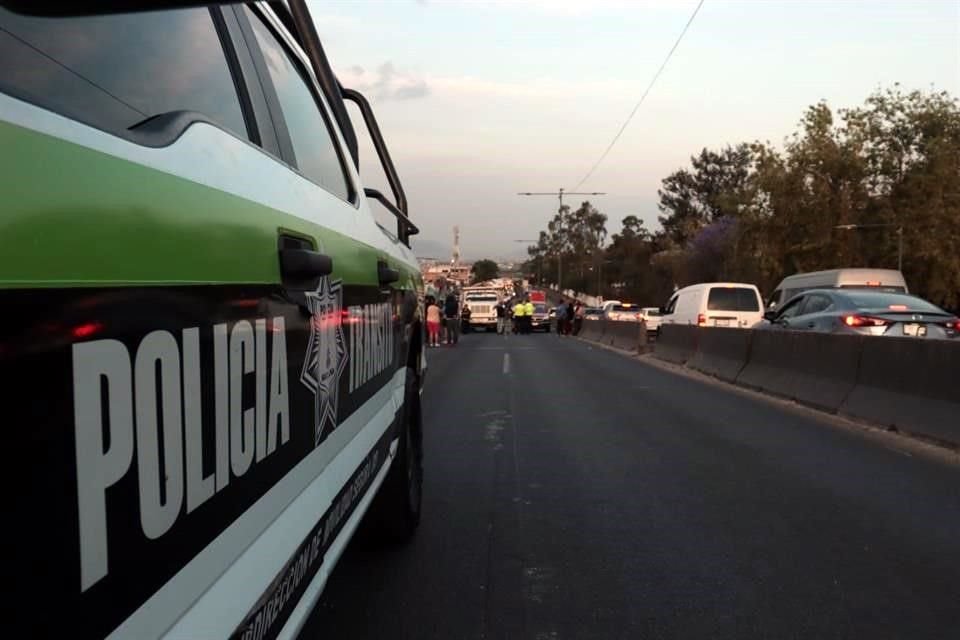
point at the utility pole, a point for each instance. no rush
(560, 193)
(899, 232)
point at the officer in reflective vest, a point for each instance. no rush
(518, 317)
(528, 315)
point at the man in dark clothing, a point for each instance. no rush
(560, 314)
(451, 319)
(501, 317)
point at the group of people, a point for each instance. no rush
(445, 317)
(519, 316)
(570, 317)
(443, 320)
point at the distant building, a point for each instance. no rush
(446, 274)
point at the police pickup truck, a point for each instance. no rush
(211, 352)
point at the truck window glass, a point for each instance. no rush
(116, 71)
(313, 145)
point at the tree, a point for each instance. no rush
(757, 213)
(716, 187)
(483, 270)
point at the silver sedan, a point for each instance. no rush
(864, 312)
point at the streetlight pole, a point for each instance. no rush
(560, 193)
(874, 225)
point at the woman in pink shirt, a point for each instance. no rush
(433, 323)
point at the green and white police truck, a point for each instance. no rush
(211, 352)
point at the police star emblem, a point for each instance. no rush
(326, 354)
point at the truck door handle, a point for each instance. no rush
(385, 274)
(300, 264)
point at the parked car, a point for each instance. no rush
(540, 321)
(651, 315)
(624, 311)
(606, 305)
(714, 304)
(871, 313)
(593, 313)
(889, 280)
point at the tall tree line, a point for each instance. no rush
(752, 212)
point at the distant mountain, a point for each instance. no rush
(439, 250)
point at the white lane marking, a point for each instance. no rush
(506, 364)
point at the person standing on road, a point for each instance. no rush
(451, 319)
(563, 317)
(433, 323)
(578, 313)
(568, 325)
(518, 316)
(501, 317)
(528, 315)
(465, 319)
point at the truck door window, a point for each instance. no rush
(314, 148)
(116, 71)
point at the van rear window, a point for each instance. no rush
(733, 299)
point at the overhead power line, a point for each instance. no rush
(642, 98)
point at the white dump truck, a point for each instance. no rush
(482, 303)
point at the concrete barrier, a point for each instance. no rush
(676, 343)
(907, 383)
(722, 352)
(593, 330)
(812, 368)
(910, 384)
(626, 335)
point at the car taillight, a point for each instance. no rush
(863, 321)
(952, 324)
(701, 320)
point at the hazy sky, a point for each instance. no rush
(481, 99)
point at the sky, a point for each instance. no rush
(481, 99)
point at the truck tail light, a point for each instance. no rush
(701, 320)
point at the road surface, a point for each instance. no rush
(572, 492)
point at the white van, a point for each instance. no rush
(715, 304)
(887, 280)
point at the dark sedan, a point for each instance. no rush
(872, 313)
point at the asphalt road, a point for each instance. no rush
(572, 492)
